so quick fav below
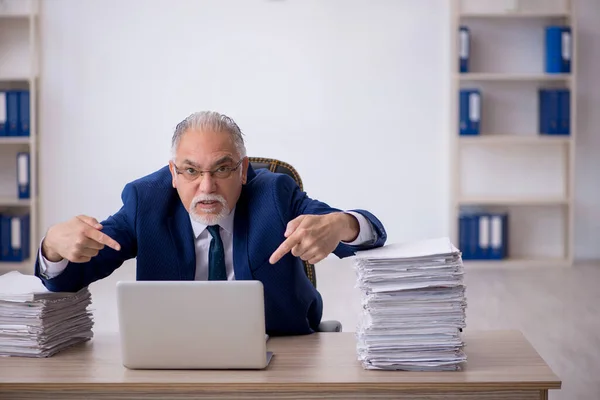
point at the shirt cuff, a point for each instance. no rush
(50, 269)
(366, 233)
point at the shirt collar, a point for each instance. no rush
(226, 224)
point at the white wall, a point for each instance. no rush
(354, 93)
(336, 88)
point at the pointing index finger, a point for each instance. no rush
(103, 238)
(284, 248)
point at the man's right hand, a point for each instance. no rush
(77, 240)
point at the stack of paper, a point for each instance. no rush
(413, 301)
(35, 322)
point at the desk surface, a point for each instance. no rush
(321, 363)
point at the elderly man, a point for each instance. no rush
(209, 215)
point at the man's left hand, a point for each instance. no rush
(314, 237)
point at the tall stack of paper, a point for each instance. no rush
(35, 322)
(413, 301)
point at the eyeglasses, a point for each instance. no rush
(191, 173)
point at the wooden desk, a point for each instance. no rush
(501, 366)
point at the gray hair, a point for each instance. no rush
(213, 121)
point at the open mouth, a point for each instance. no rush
(208, 205)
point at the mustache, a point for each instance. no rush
(208, 197)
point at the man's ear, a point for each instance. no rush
(173, 174)
(245, 165)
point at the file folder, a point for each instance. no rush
(23, 175)
(12, 113)
(498, 236)
(470, 234)
(483, 236)
(564, 112)
(24, 113)
(549, 111)
(464, 48)
(3, 113)
(4, 237)
(558, 48)
(463, 238)
(470, 112)
(566, 49)
(15, 236)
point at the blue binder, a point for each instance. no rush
(549, 111)
(463, 239)
(23, 175)
(558, 49)
(564, 112)
(498, 236)
(4, 237)
(566, 49)
(12, 113)
(473, 235)
(464, 48)
(24, 121)
(470, 112)
(3, 113)
(15, 237)
(483, 236)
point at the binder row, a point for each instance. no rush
(557, 49)
(14, 113)
(14, 236)
(483, 236)
(554, 111)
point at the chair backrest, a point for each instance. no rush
(274, 165)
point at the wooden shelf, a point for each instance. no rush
(14, 202)
(13, 16)
(516, 14)
(25, 267)
(507, 201)
(15, 78)
(506, 139)
(512, 77)
(15, 140)
(518, 263)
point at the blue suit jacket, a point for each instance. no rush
(154, 226)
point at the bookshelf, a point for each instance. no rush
(510, 167)
(19, 54)
(512, 77)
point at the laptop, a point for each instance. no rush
(192, 324)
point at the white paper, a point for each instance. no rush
(413, 306)
(35, 322)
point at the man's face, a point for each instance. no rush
(208, 197)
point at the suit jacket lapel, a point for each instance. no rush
(182, 236)
(241, 265)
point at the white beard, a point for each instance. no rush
(209, 218)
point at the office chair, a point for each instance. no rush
(281, 167)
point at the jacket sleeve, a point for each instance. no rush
(293, 202)
(120, 227)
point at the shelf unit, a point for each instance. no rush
(19, 58)
(495, 13)
(512, 77)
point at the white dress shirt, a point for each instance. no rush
(202, 244)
